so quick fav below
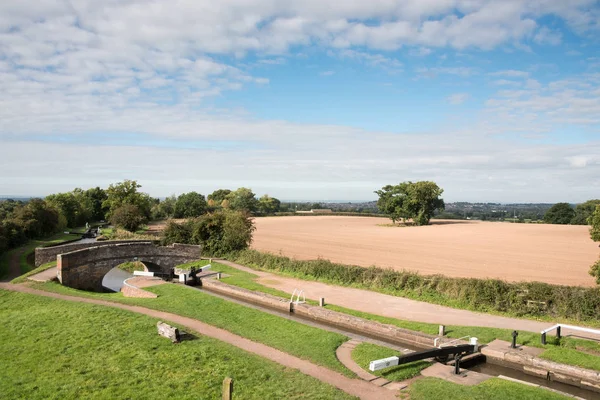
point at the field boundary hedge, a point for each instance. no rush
(527, 299)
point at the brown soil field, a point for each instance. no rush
(558, 254)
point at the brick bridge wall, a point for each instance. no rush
(85, 268)
(45, 255)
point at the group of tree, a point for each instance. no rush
(564, 213)
(218, 232)
(417, 201)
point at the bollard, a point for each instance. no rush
(322, 302)
(227, 388)
(543, 338)
(218, 275)
(514, 339)
(558, 332)
(442, 330)
(457, 364)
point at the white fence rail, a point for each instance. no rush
(560, 327)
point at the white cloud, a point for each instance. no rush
(547, 36)
(372, 59)
(432, 72)
(510, 73)
(326, 73)
(421, 52)
(458, 98)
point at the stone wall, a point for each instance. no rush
(45, 255)
(546, 369)
(130, 290)
(259, 298)
(85, 268)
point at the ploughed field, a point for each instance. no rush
(558, 254)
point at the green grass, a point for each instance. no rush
(43, 267)
(54, 349)
(131, 266)
(564, 351)
(492, 389)
(303, 341)
(27, 250)
(364, 353)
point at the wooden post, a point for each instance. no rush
(227, 388)
(322, 302)
(218, 275)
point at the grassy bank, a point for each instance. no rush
(26, 252)
(522, 299)
(303, 341)
(41, 268)
(64, 350)
(364, 353)
(492, 389)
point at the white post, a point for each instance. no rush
(322, 302)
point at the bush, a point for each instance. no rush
(218, 233)
(128, 217)
(531, 299)
(595, 271)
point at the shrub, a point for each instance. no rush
(218, 233)
(128, 217)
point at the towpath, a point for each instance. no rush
(390, 306)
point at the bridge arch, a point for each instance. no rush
(84, 269)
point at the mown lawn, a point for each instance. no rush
(364, 353)
(63, 350)
(292, 337)
(492, 389)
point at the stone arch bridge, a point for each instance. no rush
(85, 268)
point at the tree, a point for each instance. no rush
(268, 204)
(126, 192)
(560, 213)
(218, 233)
(594, 221)
(38, 219)
(242, 200)
(418, 200)
(164, 209)
(584, 211)
(189, 205)
(218, 196)
(74, 206)
(96, 197)
(128, 217)
(391, 201)
(423, 200)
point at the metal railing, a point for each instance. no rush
(559, 327)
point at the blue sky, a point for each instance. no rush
(494, 100)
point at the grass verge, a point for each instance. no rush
(492, 389)
(104, 353)
(41, 268)
(303, 341)
(364, 353)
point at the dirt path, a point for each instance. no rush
(14, 265)
(390, 306)
(355, 387)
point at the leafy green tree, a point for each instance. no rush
(126, 192)
(391, 201)
(584, 211)
(218, 233)
(423, 199)
(128, 217)
(189, 205)
(560, 213)
(217, 197)
(38, 219)
(165, 208)
(242, 199)
(74, 206)
(96, 197)
(594, 221)
(268, 204)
